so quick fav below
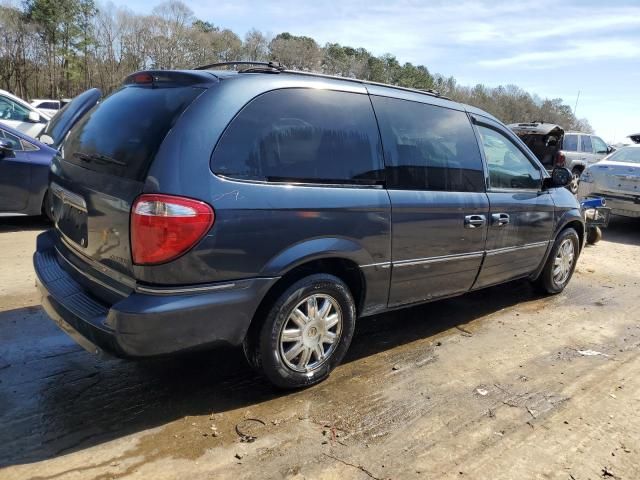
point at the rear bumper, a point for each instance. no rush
(627, 207)
(619, 203)
(141, 324)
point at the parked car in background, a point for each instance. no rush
(617, 179)
(47, 106)
(25, 161)
(556, 148)
(628, 140)
(24, 173)
(270, 208)
(18, 114)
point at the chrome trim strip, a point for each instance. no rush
(444, 258)
(173, 291)
(381, 265)
(498, 251)
(68, 197)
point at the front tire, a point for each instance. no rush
(306, 332)
(561, 263)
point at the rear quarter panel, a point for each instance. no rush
(262, 230)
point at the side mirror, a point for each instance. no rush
(5, 148)
(560, 177)
(46, 139)
(34, 117)
(610, 149)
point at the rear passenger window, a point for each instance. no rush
(428, 147)
(585, 144)
(570, 143)
(303, 135)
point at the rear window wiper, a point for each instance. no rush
(99, 158)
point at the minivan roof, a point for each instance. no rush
(290, 77)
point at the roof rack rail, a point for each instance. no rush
(277, 67)
(271, 65)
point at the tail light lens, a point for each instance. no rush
(163, 227)
(560, 160)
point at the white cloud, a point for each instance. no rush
(576, 53)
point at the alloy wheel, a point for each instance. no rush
(311, 333)
(563, 262)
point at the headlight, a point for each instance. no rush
(586, 177)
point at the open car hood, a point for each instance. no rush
(536, 129)
(56, 130)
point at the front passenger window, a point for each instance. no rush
(508, 166)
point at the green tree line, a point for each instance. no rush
(59, 48)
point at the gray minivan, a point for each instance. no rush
(271, 208)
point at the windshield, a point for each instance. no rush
(627, 154)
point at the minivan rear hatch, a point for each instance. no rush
(102, 165)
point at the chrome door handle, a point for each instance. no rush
(499, 219)
(474, 221)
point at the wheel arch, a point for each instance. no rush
(570, 219)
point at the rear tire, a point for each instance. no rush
(305, 334)
(46, 207)
(594, 235)
(561, 263)
(575, 180)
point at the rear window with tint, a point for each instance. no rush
(570, 143)
(302, 135)
(122, 134)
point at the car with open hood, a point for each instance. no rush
(555, 147)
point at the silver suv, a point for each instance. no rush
(578, 151)
(556, 148)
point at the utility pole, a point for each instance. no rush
(576, 105)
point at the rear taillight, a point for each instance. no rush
(560, 160)
(163, 227)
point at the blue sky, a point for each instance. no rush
(549, 47)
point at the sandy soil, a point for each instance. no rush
(499, 384)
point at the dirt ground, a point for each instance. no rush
(499, 384)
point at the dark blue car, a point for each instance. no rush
(24, 173)
(25, 161)
(270, 209)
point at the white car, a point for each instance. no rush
(46, 106)
(18, 114)
(616, 178)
